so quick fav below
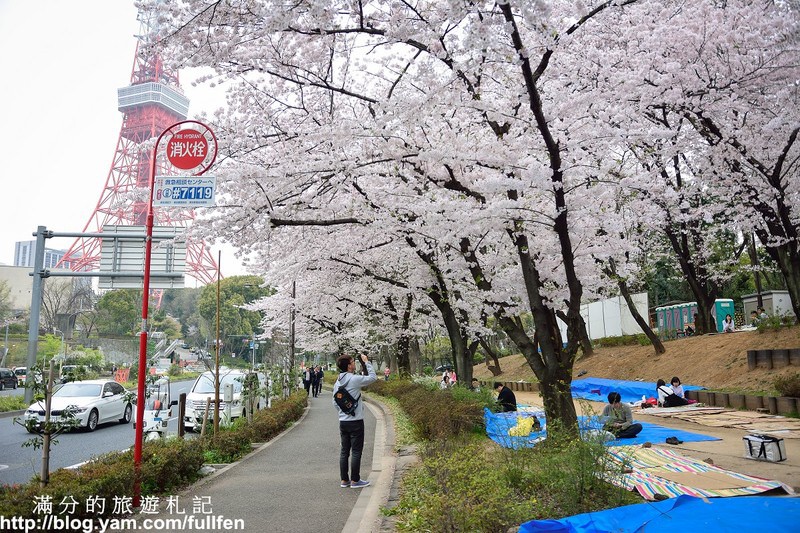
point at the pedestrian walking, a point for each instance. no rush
(307, 373)
(386, 372)
(316, 381)
(351, 426)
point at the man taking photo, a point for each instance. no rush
(351, 426)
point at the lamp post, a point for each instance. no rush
(62, 352)
(186, 157)
(5, 348)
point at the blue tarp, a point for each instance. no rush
(498, 424)
(684, 513)
(597, 389)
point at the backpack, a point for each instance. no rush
(345, 401)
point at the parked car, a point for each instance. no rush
(443, 367)
(203, 389)
(21, 372)
(69, 372)
(8, 380)
(93, 402)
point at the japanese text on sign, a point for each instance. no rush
(187, 149)
(184, 191)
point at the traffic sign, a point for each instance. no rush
(184, 191)
(187, 149)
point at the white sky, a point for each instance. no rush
(61, 63)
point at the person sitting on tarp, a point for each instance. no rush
(667, 396)
(617, 418)
(506, 398)
(677, 388)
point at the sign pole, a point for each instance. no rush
(180, 155)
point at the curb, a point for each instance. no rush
(366, 516)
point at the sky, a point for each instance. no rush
(61, 63)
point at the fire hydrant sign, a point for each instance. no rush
(184, 191)
(187, 149)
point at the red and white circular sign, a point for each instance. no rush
(187, 149)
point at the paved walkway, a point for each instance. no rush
(291, 484)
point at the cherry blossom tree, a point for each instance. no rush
(713, 88)
(456, 152)
(453, 124)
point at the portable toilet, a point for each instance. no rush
(722, 307)
(661, 318)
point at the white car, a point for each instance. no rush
(93, 402)
(22, 373)
(203, 389)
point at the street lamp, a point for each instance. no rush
(62, 351)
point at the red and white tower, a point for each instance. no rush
(150, 104)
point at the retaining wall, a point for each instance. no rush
(776, 405)
(777, 358)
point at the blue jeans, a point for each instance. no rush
(352, 435)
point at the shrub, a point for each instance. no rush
(622, 340)
(166, 466)
(12, 403)
(788, 385)
(228, 445)
(472, 485)
(775, 322)
(460, 486)
(435, 414)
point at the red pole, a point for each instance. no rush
(140, 397)
(148, 251)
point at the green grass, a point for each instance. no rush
(12, 403)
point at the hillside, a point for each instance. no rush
(713, 361)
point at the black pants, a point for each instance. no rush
(307, 386)
(629, 432)
(352, 435)
(673, 400)
(316, 387)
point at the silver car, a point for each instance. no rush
(92, 402)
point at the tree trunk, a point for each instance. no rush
(490, 353)
(583, 335)
(611, 271)
(704, 289)
(553, 364)
(403, 344)
(754, 262)
(658, 346)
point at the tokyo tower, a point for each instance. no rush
(151, 103)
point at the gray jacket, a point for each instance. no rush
(353, 383)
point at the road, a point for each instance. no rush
(18, 464)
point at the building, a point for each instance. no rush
(776, 303)
(24, 252)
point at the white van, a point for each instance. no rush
(203, 389)
(22, 373)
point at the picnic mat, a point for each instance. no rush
(498, 426)
(751, 421)
(685, 513)
(652, 471)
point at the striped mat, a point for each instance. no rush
(652, 471)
